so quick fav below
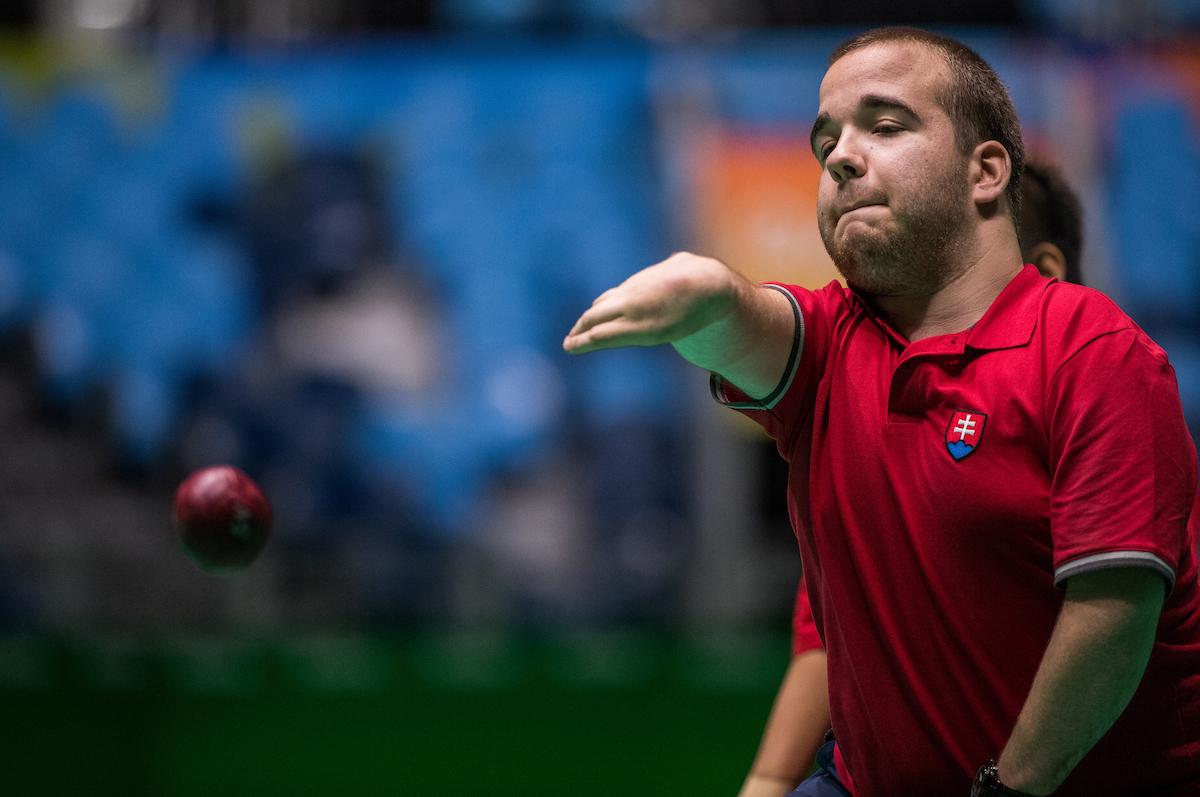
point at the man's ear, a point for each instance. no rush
(1049, 260)
(990, 172)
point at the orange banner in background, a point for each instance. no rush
(756, 206)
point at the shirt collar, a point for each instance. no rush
(865, 307)
(1011, 319)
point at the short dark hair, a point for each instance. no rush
(1051, 211)
(976, 100)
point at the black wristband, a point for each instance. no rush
(987, 784)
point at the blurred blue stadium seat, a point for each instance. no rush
(144, 409)
(13, 292)
(64, 347)
(202, 126)
(87, 277)
(79, 131)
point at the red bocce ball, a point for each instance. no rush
(223, 519)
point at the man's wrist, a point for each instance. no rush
(987, 784)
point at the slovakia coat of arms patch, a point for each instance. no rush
(964, 433)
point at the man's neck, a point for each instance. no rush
(960, 303)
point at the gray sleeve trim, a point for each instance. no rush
(1104, 561)
(789, 372)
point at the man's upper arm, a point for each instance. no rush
(1137, 592)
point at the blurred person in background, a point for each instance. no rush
(1029, 590)
(344, 323)
(1051, 226)
(1051, 234)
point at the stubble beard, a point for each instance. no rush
(919, 250)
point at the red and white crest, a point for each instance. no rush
(964, 433)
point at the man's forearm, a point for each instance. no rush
(1092, 666)
(749, 345)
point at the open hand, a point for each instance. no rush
(660, 304)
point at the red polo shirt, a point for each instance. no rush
(943, 491)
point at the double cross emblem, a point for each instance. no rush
(964, 433)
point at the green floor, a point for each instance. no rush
(468, 715)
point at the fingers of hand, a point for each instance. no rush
(607, 335)
(595, 315)
(622, 316)
(603, 296)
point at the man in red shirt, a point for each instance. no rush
(1051, 235)
(990, 477)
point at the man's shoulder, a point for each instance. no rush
(1078, 313)
(831, 300)
(1075, 315)
(832, 291)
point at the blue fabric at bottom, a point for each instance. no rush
(823, 783)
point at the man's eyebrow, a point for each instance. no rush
(869, 101)
(876, 101)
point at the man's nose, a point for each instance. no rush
(844, 163)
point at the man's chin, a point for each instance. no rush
(866, 240)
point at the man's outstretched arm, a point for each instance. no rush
(713, 316)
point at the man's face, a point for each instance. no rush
(894, 199)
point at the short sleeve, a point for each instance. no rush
(804, 626)
(793, 393)
(1124, 466)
